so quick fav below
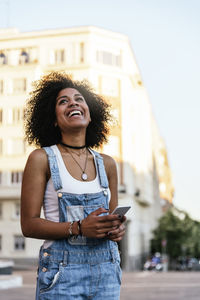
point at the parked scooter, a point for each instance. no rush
(154, 264)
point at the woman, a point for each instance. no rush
(76, 186)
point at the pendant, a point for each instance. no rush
(84, 176)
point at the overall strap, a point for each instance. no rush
(55, 175)
(101, 170)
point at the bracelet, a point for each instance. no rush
(79, 227)
(70, 228)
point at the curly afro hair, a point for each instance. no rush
(40, 111)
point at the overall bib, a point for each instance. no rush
(79, 268)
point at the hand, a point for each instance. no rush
(95, 226)
(117, 234)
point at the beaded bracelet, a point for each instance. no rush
(70, 228)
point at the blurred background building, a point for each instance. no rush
(106, 59)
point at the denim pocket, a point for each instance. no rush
(118, 272)
(49, 277)
(75, 212)
(78, 212)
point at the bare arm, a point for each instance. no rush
(111, 171)
(118, 232)
(35, 177)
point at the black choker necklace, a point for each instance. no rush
(72, 147)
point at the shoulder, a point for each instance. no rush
(110, 166)
(37, 158)
(111, 171)
(108, 160)
(37, 154)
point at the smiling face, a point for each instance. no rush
(71, 110)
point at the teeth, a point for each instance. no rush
(74, 112)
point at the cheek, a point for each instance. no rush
(58, 112)
(88, 113)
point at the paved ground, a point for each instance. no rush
(161, 286)
(135, 286)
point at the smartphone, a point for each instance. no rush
(120, 210)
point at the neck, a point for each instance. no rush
(76, 141)
(72, 147)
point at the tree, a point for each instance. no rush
(181, 233)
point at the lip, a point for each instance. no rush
(74, 110)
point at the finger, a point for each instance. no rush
(115, 223)
(106, 230)
(116, 237)
(109, 218)
(117, 231)
(108, 225)
(101, 235)
(122, 227)
(114, 233)
(123, 219)
(99, 211)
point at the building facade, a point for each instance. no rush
(105, 59)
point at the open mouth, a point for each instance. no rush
(75, 113)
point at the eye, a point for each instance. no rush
(62, 101)
(79, 99)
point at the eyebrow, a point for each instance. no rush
(65, 96)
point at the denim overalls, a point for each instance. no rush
(79, 268)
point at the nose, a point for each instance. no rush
(72, 102)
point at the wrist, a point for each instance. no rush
(70, 229)
(74, 228)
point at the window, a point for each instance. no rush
(3, 59)
(1, 116)
(14, 115)
(17, 115)
(24, 58)
(81, 52)
(16, 177)
(108, 58)
(1, 146)
(17, 211)
(19, 243)
(19, 85)
(57, 56)
(1, 87)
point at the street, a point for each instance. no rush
(135, 286)
(161, 286)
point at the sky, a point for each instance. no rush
(165, 38)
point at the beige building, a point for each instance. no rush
(106, 59)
